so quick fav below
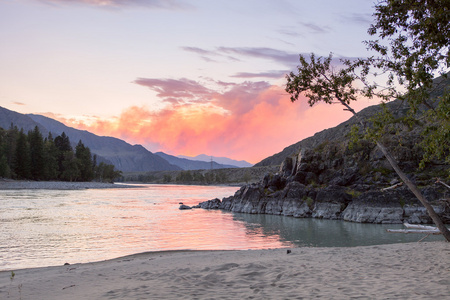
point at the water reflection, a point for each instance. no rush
(326, 233)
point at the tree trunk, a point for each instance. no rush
(430, 210)
(433, 215)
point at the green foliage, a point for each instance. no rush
(106, 173)
(412, 49)
(38, 170)
(414, 41)
(354, 193)
(84, 162)
(309, 201)
(318, 81)
(167, 178)
(30, 156)
(22, 167)
(436, 136)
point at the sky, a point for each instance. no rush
(185, 77)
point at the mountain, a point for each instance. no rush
(188, 164)
(341, 131)
(123, 156)
(21, 121)
(220, 160)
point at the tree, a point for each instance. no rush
(22, 157)
(413, 49)
(419, 38)
(106, 172)
(70, 170)
(51, 158)
(36, 141)
(84, 160)
(62, 143)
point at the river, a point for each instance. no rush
(52, 227)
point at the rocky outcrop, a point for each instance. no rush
(333, 182)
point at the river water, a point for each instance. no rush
(52, 227)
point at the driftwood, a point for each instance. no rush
(416, 229)
(392, 187)
(443, 183)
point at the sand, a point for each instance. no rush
(398, 271)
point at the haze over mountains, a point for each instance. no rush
(124, 156)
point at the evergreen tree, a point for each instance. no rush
(62, 143)
(38, 170)
(51, 158)
(10, 145)
(22, 157)
(84, 161)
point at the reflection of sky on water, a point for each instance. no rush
(45, 227)
(326, 233)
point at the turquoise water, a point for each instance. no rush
(48, 227)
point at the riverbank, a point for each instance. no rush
(57, 185)
(396, 271)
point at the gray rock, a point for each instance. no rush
(183, 206)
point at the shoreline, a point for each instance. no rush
(395, 271)
(8, 184)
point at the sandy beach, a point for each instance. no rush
(398, 271)
(7, 184)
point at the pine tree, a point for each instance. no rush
(22, 157)
(84, 161)
(38, 170)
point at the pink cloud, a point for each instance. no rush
(249, 121)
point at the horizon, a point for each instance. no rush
(178, 76)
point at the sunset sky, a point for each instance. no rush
(179, 76)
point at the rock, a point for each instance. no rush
(211, 204)
(182, 206)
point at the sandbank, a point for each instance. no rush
(397, 271)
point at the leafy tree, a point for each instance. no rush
(106, 172)
(70, 170)
(418, 36)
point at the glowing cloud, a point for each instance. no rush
(248, 121)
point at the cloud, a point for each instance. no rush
(269, 74)
(265, 53)
(182, 90)
(233, 53)
(18, 103)
(359, 18)
(250, 121)
(315, 29)
(164, 4)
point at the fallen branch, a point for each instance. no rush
(436, 231)
(392, 187)
(416, 229)
(443, 183)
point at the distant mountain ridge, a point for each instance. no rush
(123, 156)
(219, 160)
(188, 164)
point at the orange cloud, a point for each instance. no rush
(249, 121)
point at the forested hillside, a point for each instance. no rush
(33, 157)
